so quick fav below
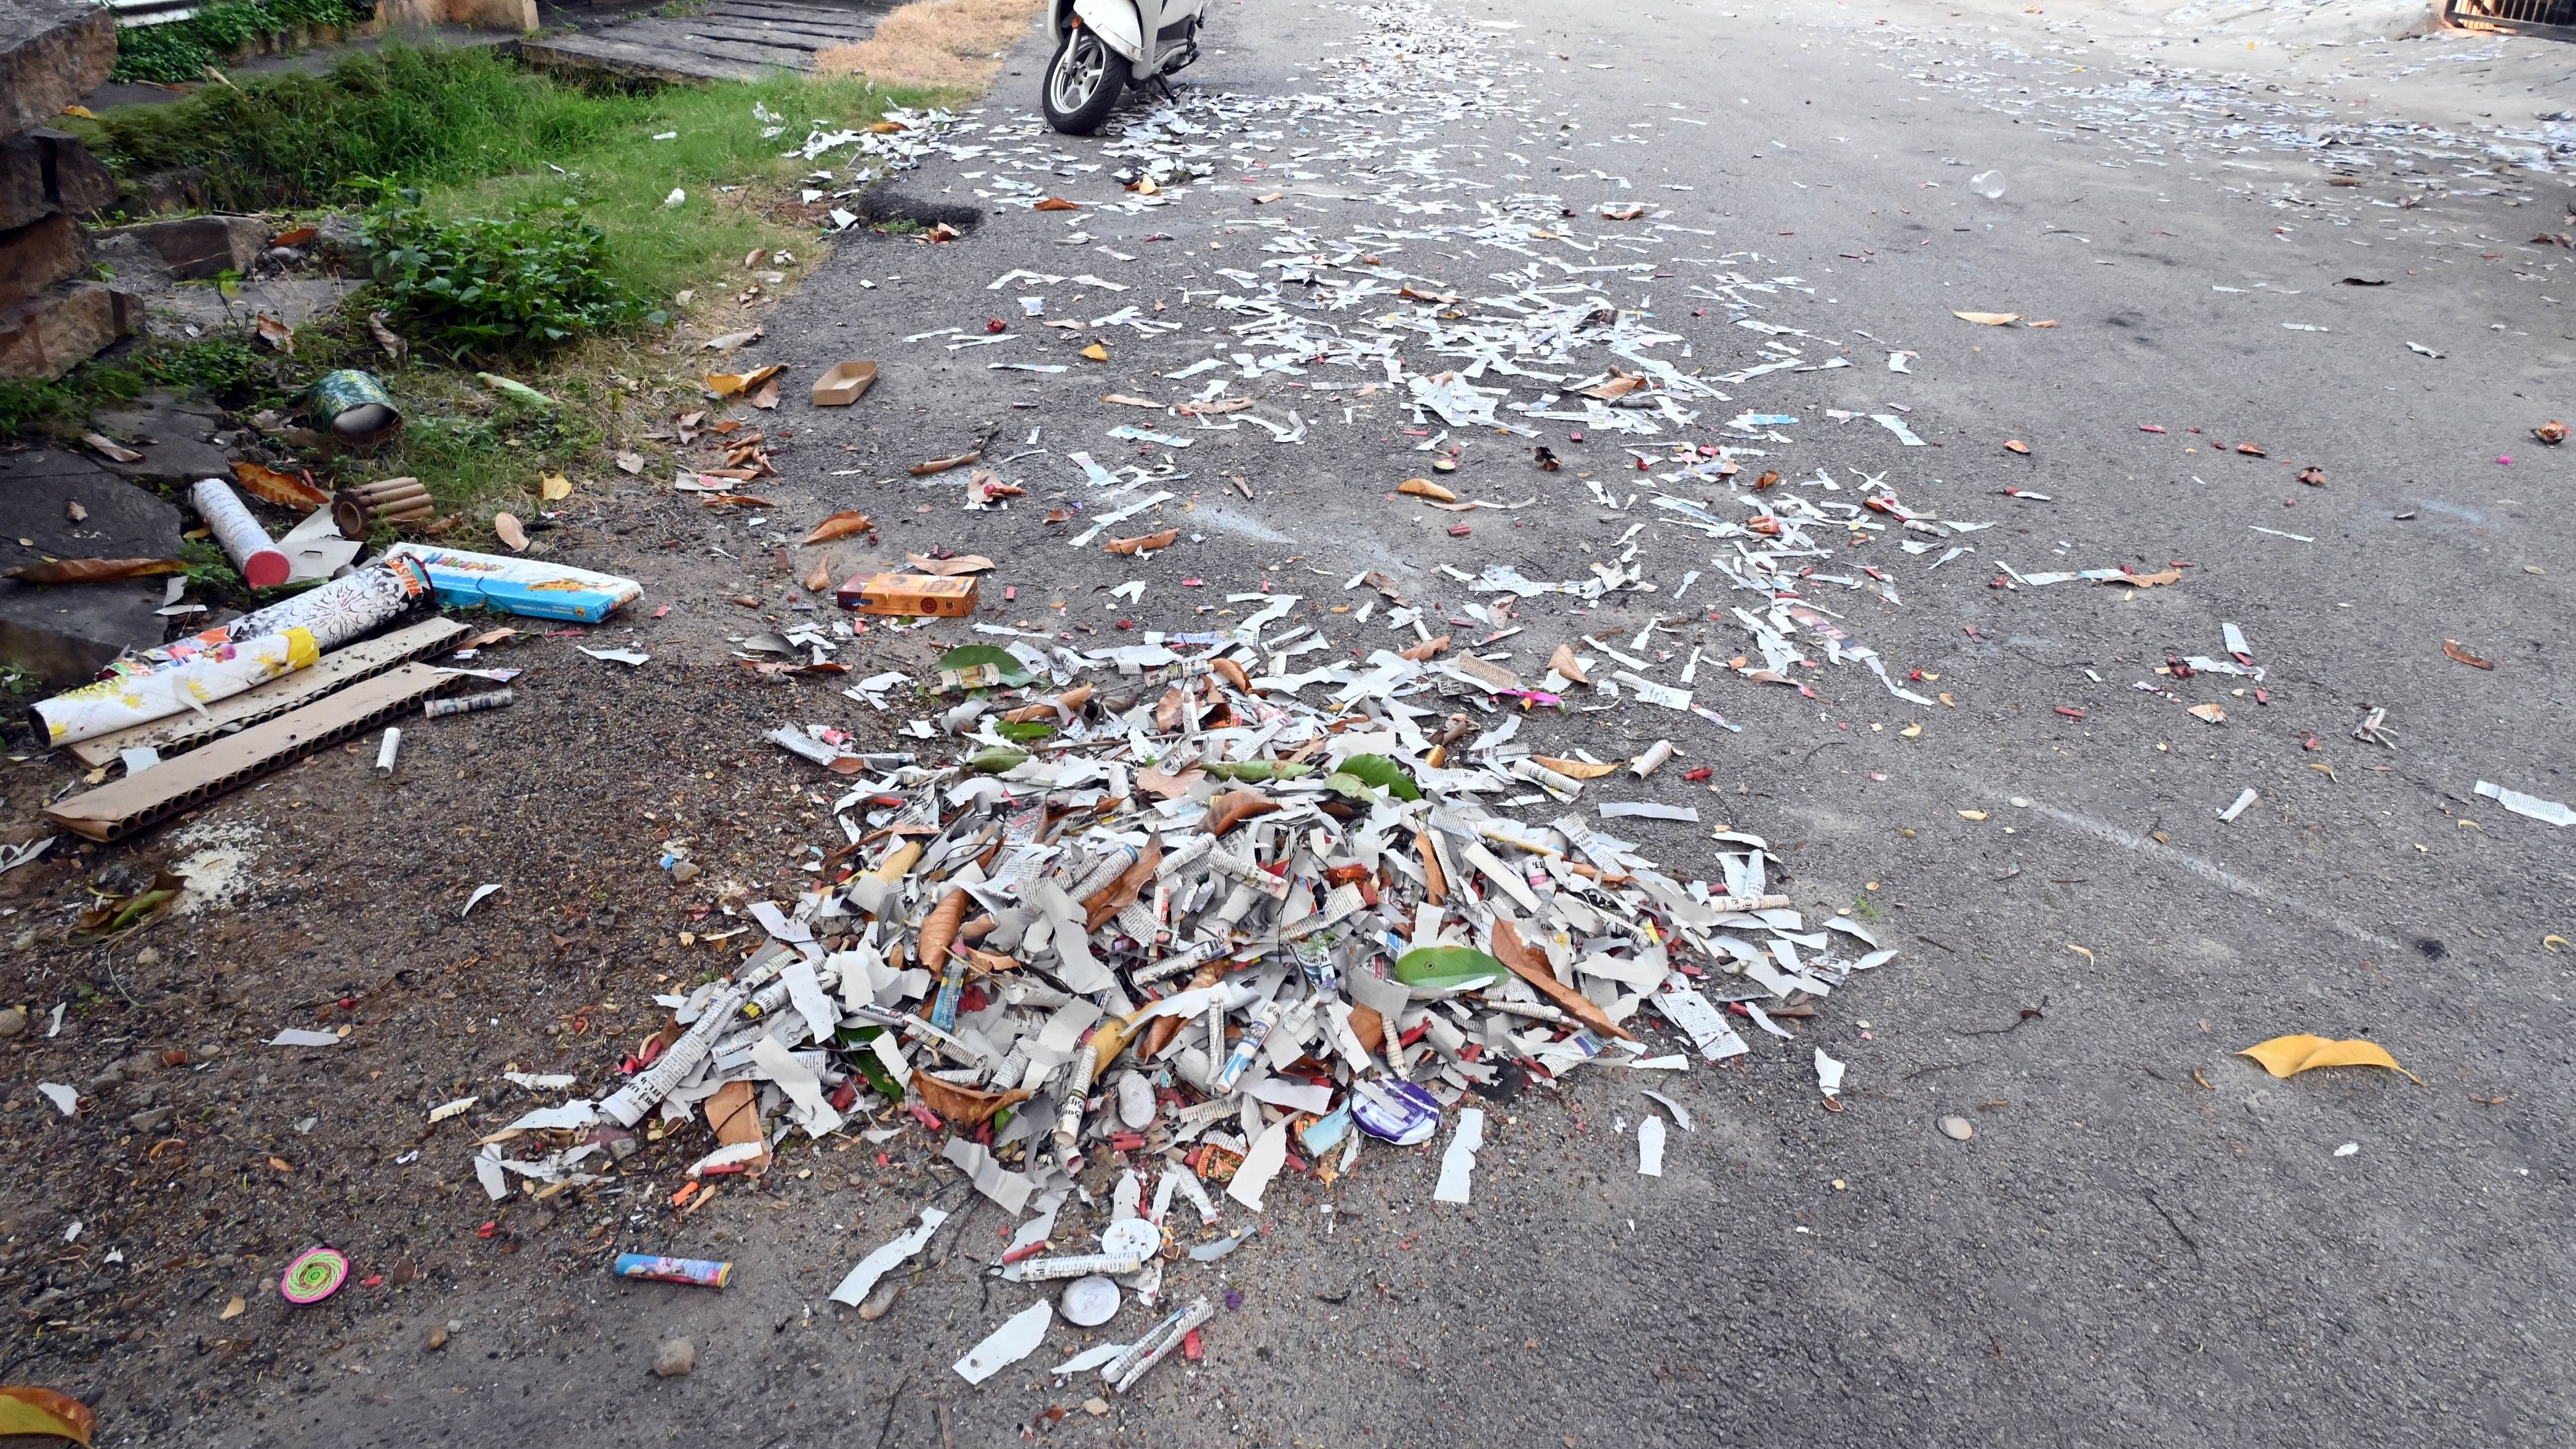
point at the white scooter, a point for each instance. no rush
(1102, 46)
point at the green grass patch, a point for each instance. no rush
(516, 216)
(182, 50)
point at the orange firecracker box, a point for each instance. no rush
(922, 594)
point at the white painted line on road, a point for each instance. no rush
(2215, 874)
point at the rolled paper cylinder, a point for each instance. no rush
(219, 672)
(356, 404)
(262, 563)
(345, 609)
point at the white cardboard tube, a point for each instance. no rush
(263, 565)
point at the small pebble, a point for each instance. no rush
(13, 1021)
(438, 1337)
(685, 871)
(674, 1358)
(1958, 1129)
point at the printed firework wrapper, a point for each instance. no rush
(219, 672)
(535, 588)
(335, 613)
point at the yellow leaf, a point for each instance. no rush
(1096, 352)
(1425, 488)
(2287, 1056)
(1988, 319)
(554, 486)
(1576, 769)
(731, 384)
(25, 1410)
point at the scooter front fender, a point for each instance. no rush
(1117, 25)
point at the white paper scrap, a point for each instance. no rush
(2547, 811)
(1260, 1165)
(862, 1279)
(1829, 1074)
(1458, 1164)
(1650, 1147)
(1016, 1339)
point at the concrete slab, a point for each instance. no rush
(63, 634)
(175, 436)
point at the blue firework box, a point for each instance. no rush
(531, 588)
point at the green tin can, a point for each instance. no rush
(361, 413)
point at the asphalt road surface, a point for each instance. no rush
(2147, 1240)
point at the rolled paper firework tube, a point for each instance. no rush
(262, 563)
(336, 613)
(356, 406)
(224, 670)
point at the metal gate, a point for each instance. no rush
(2553, 18)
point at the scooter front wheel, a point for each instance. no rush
(1082, 83)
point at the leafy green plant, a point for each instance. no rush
(483, 289)
(181, 50)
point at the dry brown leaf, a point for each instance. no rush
(1162, 786)
(2287, 1056)
(942, 465)
(1234, 807)
(2146, 581)
(767, 397)
(946, 568)
(839, 525)
(2209, 712)
(386, 337)
(95, 570)
(1564, 662)
(74, 512)
(970, 1105)
(1057, 203)
(1576, 769)
(1123, 400)
(275, 333)
(1051, 709)
(1211, 409)
(283, 489)
(1425, 488)
(1145, 543)
(1988, 319)
(507, 528)
(733, 500)
(2016, 445)
(28, 1410)
(110, 449)
(2452, 647)
(733, 384)
(818, 579)
(630, 462)
(1426, 649)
